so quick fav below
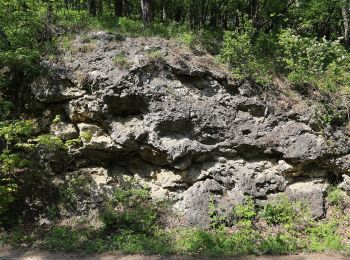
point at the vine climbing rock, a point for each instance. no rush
(178, 124)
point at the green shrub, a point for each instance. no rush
(130, 243)
(249, 53)
(280, 211)
(131, 208)
(86, 136)
(50, 141)
(322, 63)
(246, 211)
(12, 133)
(218, 218)
(67, 239)
(130, 27)
(335, 197)
(279, 244)
(323, 237)
(242, 242)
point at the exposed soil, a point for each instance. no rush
(8, 254)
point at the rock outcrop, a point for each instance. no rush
(182, 127)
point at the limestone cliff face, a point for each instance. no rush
(175, 121)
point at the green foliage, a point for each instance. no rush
(15, 131)
(246, 211)
(130, 243)
(280, 211)
(217, 216)
(121, 61)
(57, 119)
(249, 52)
(332, 115)
(131, 208)
(279, 244)
(72, 143)
(323, 237)
(11, 162)
(86, 136)
(66, 239)
(336, 197)
(322, 63)
(5, 108)
(72, 190)
(50, 141)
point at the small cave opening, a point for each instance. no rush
(126, 105)
(182, 127)
(334, 178)
(246, 132)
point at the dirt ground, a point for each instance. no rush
(9, 254)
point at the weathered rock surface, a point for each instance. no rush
(181, 126)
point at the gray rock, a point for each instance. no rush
(313, 194)
(185, 129)
(64, 131)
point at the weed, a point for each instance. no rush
(278, 212)
(336, 197)
(131, 208)
(280, 244)
(323, 237)
(121, 61)
(86, 136)
(50, 141)
(57, 119)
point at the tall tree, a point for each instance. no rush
(146, 12)
(92, 6)
(118, 8)
(345, 14)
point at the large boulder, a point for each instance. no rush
(311, 193)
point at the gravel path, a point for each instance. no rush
(9, 254)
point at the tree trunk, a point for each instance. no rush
(163, 14)
(254, 12)
(146, 12)
(345, 13)
(118, 8)
(100, 7)
(92, 7)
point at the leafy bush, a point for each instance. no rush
(279, 244)
(336, 197)
(13, 133)
(280, 211)
(64, 238)
(322, 63)
(246, 211)
(249, 53)
(131, 208)
(130, 27)
(324, 237)
(50, 141)
(86, 136)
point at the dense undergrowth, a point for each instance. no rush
(278, 227)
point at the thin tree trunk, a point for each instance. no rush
(118, 8)
(163, 14)
(92, 7)
(255, 12)
(146, 12)
(100, 7)
(345, 13)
